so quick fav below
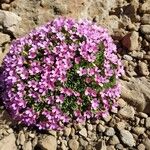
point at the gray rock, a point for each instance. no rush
(135, 136)
(148, 122)
(142, 115)
(5, 6)
(145, 8)
(4, 38)
(27, 146)
(142, 121)
(64, 145)
(137, 93)
(137, 121)
(127, 57)
(145, 19)
(121, 103)
(141, 147)
(101, 145)
(111, 147)
(138, 130)
(137, 54)
(91, 135)
(114, 140)
(110, 131)
(67, 131)
(101, 128)
(89, 147)
(21, 138)
(8, 143)
(5, 116)
(83, 142)
(83, 132)
(89, 127)
(120, 125)
(73, 144)
(143, 68)
(48, 143)
(147, 36)
(34, 141)
(31, 135)
(127, 112)
(6, 1)
(119, 146)
(9, 20)
(145, 29)
(72, 132)
(112, 22)
(53, 133)
(147, 143)
(79, 126)
(107, 118)
(127, 138)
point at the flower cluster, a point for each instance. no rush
(62, 71)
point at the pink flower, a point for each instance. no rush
(81, 71)
(66, 91)
(91, 71)
(77, 113)
(89, 91)
(105, 114)
(37, 69)
(88, 80)
(95, 103)
(87, 114)
(60, 98)
(77, 60)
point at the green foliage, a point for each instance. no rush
(100, 56)
(69, 104)
(111, 83)
(74, 81)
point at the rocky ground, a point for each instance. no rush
(128, 21)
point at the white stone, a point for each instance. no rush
(127, 138)
(83, 132)
(127, 112)
(145, 29)
(48, 143)
(27, 146)
(8, 143)
(148, 122)
(73, 144)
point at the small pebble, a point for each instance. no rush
(141, 147)
(114, 140)
(142, 115)
(89, 127)
(128, 57)
(107, 118)
(110, 131)
(73, 144)
(83, 132)
(67, 131)
(142, 121)
(32, 135)
(101, 128)
(119, 146)
(148, 122)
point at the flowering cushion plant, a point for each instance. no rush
(59, 72)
